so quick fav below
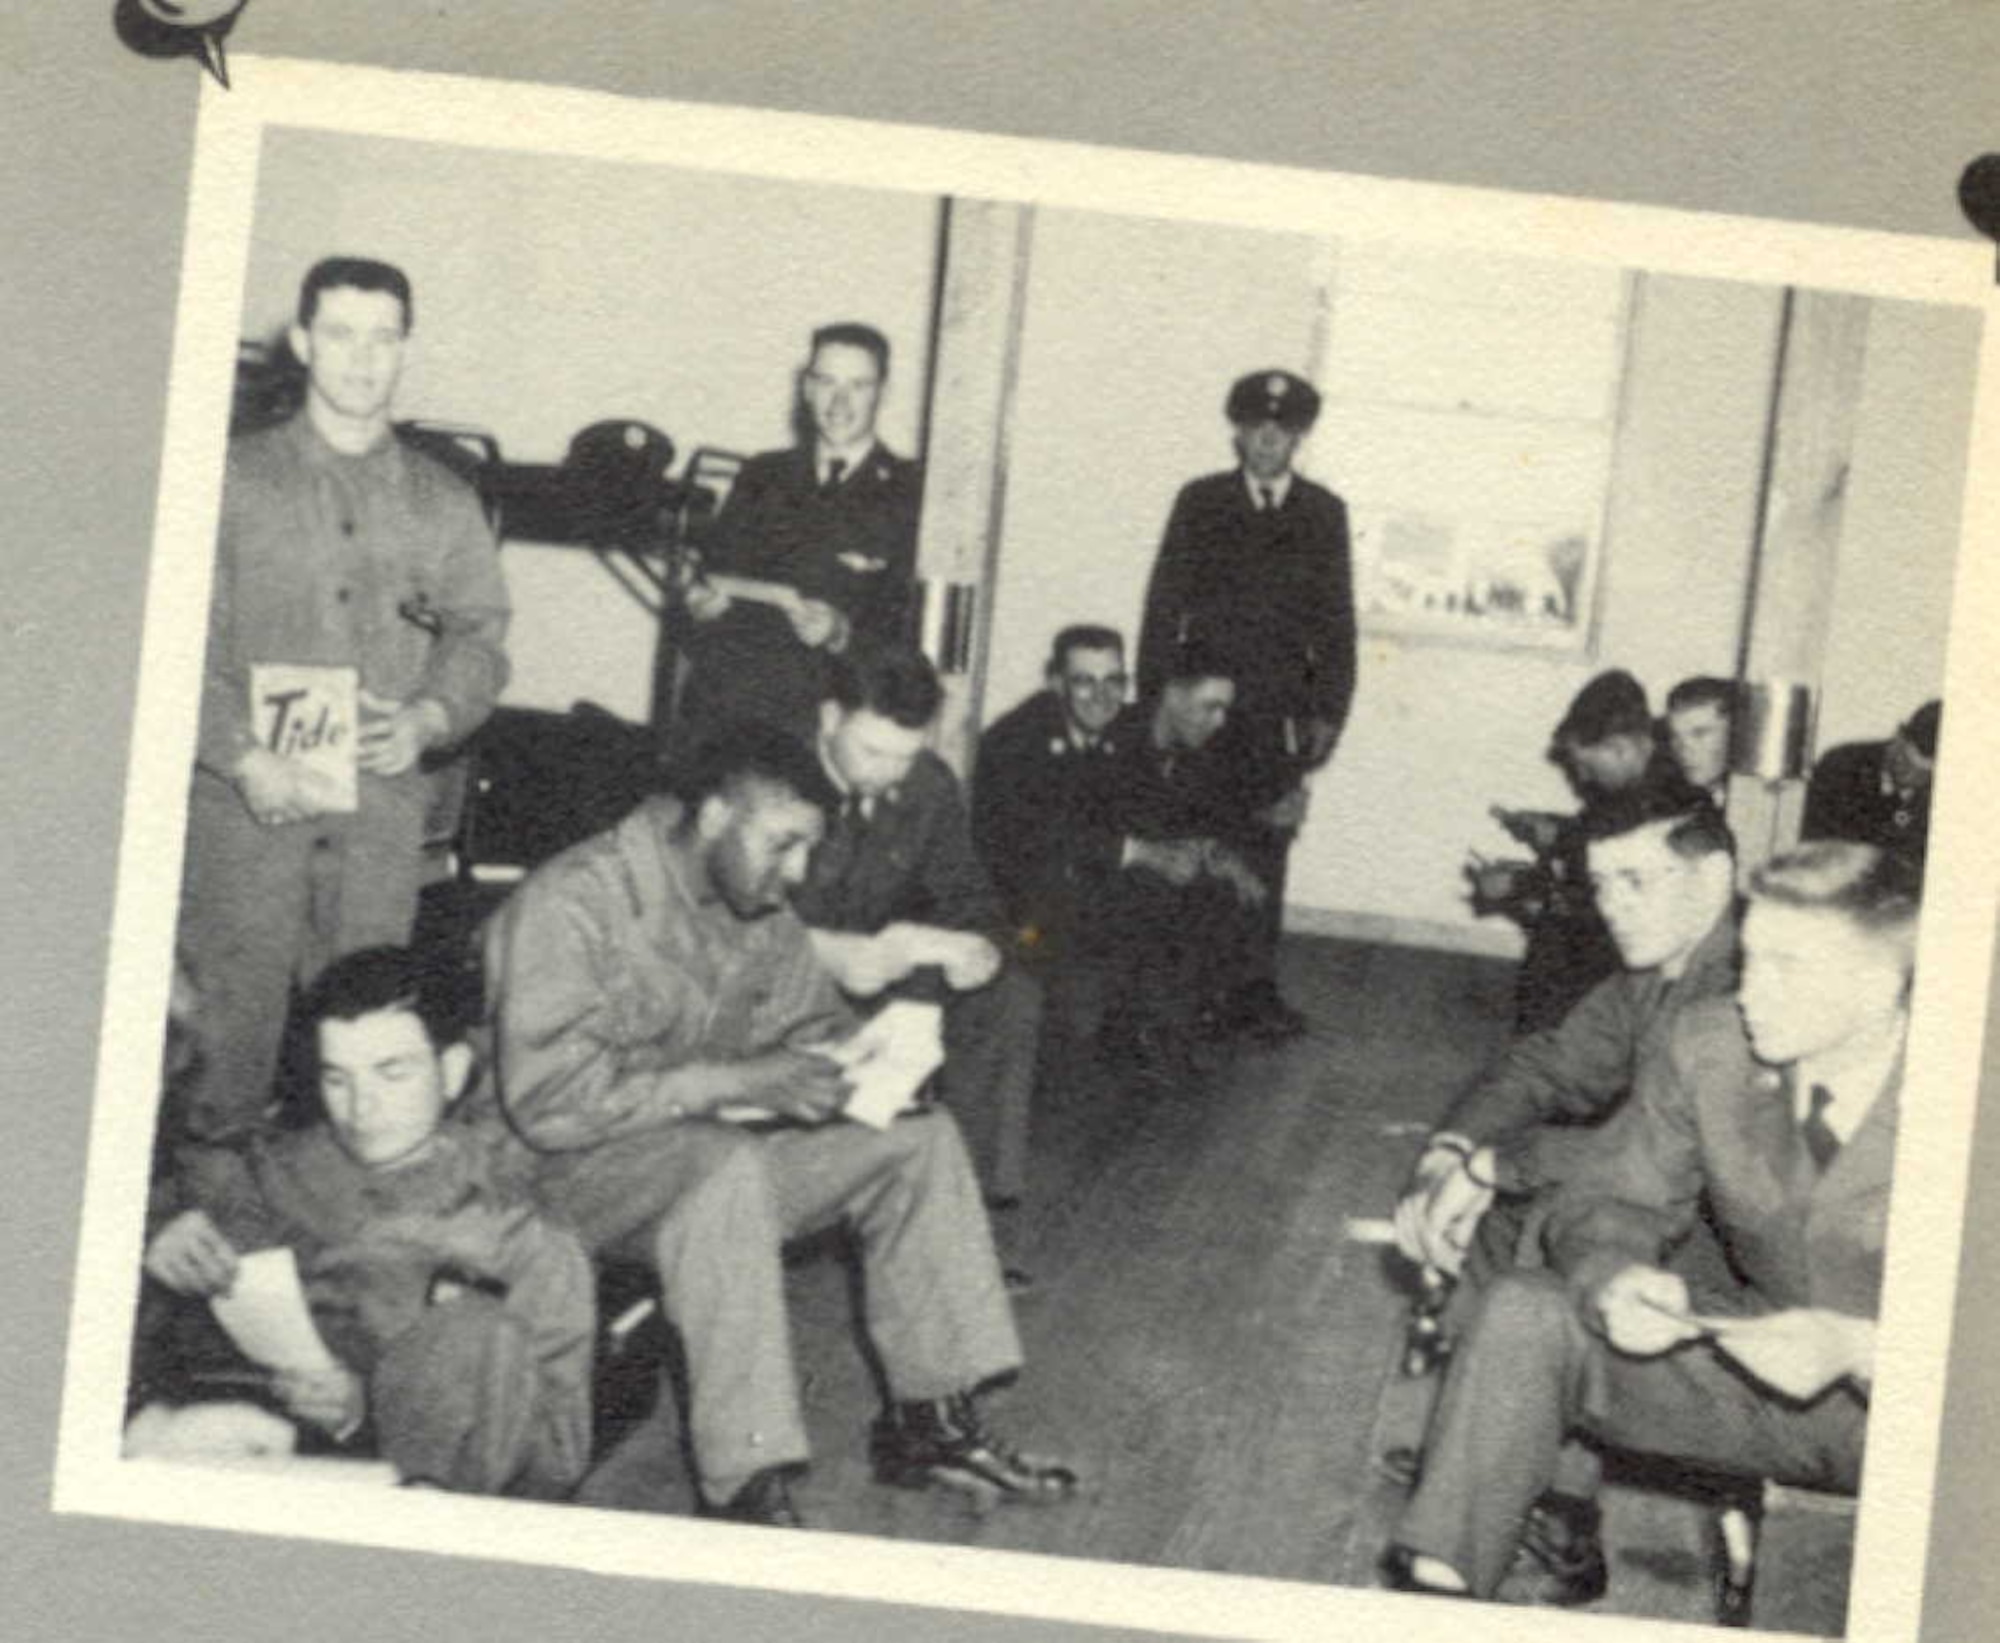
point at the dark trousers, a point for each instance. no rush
(265, 909)
(991, 1037)
(1529, 1373)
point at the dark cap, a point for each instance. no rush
(1612, 704)
(1920, 729)
(1273, 396)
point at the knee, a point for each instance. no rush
(733, 1184)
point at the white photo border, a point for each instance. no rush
(1954, 958)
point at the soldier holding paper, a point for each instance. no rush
(356, 621)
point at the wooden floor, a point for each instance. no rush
(1205, 1343)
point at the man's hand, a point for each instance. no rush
(1178, 861)
(1229, 867)
(864, 965)
(1441, 1208)
(968, 959)
(191, 1257)
(335, 1400)
(704, 601)
(818, 625)
(276, 791)
(802, 1085)
(1801, 1351)
(1644, 1310)
(1288, 814)
(1537, 829)
(395, 734)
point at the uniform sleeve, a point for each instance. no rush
(1574, 1070)
(468, 665)
(1331, 655)
(879, 608)
(569, 1070)
(955, 884)
(1635, 1192)
(1004, 817)
(225, 732)
(1166, 597)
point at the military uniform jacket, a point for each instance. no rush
(1709, 1118)
(853, 546)
(1041, 806)
(1850, 797)
(1273, 593)
(911, 858)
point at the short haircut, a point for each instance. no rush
(895, 681)
(751, 751)
(1083, 636)
(1704, 690)
(853, 334)
(1612, 704)
(1695, 826)
(1920, 729)
(1878, 890)
(374, 979)
(363, 274)
(1194, 661)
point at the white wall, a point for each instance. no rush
(1133, 332)
(1892, 603)
(552, 293)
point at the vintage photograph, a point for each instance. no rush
(904, 867)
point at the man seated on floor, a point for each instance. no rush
(1701, 717)
(1779, 1112)
(899, 904)
(1605, 744)
(460, 1323)
(1038, 792)
(1181, 910)
(1663, 875)
(1878, 792)
(651, 984)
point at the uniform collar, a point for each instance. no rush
(1280, 488)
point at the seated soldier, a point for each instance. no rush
(897, 901)
(648, 987)
(1037, 794)
(1662, 873)
(1777, 1111)
(1604, 744)
(1701, 716)
(1878, 793)
(1180, 911)
(460, 1322)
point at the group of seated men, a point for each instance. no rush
(1737, 1072)
(666, 1006)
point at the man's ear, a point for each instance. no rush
(830, 716)
(712, 817)
(301, 341)
(456, 1062)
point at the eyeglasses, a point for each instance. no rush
(1111, 683)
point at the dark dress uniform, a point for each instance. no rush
(1271, 593)
(852, 544)
(1852, 796)
(911, 857)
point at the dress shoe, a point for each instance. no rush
(766, 1499)
(1399, 1575)
(1560, 1561)
(943, 1441)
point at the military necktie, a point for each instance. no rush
(1818, 1134)
(834, 469)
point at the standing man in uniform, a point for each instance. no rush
(1255, 568)
(357, 614)
(834, 518)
